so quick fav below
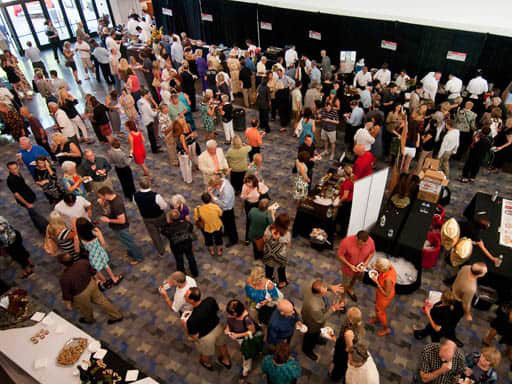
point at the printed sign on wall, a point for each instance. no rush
(167, 11)
(315, 35)
(206, 17)
(391, 45)
(457, 56)
(266, 26)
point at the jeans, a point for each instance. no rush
(189, 254)
(126, 238)
(152, 137)
(228, 219)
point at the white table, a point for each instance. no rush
(15, 345)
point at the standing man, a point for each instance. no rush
(97, 168)
(465, 123)
(176, 52)
(330, 121)
(152, 207)
(103, 57)
(203, 326)
(355, 253)
(245, 77)
(261, 71)
(84, 51)
(223, 195)
(25, 196)
(80, 290)
(383, 75)
(476, 88)
(182, 283)
(34, 55)
(354, 121)
(63, 122)
(448, 147)
(53, 38)
(315, 75)
(441, 363)
(465, 285)
(363, 78)
(115, 217)
(430, 84)
(316, 311)
(453, 87)
(325, 65)
(290, 56)
(148, 115)
(28, 153)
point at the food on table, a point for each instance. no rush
(72, 351)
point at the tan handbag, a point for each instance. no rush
(259, 243)
(50, 246)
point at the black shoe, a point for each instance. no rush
(101, 287)
(113, 321)
(83, 320)
(229, 245)
(312, 355)
(108, 284)
(419, 335)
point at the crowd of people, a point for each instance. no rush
(389, 118)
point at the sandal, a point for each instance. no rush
(208, 367)
(119, 279)
(227, 366)
(282, 285)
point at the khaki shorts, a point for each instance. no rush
(216, 338)
(347, 279)
(86, 62)
(330, 136)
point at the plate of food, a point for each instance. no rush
(373, 274)
(71, 351)
(322, 201)
(87, 179)
(327, 332)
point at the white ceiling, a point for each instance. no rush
(468, 15)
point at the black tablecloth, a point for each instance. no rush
(498, 278)
(311, 216)
(385, 237)
(412, 238)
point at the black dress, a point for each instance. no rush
(340, 357)
(12, 77)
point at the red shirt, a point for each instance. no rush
(354, 253)
(347, 185)
(363, 166)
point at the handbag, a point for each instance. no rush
(252, 346)
(298, 128)
(259, 244)
(50, 246)
(199, 222)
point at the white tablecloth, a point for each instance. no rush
(15, 344)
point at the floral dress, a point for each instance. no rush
(301, 186)
(206, 119)
(128, 104)
(98, 257)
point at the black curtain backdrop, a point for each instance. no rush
(421, 49)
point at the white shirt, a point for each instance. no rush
(366, 98)
(131, 26)
(64, 123)
(159, 200)
(383, 75)
(401, 81)
(146, 112)
(166, 96)
(111, 43)
(178, 302)
(365, 374)
(290, 57)
(84, 50)
(79, 209)
(477, 86)
(430, 85)
(261, 69)
(5, 95)
(450, 142)
(33, 54)
(177, 52)
(453, 87)
(364, 137)
(144, 35)
(362, 79)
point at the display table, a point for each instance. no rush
(385, 236)
(18, 353)
(500, 277)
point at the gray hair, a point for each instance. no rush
(211, 144)
(67, 166)
(178, 277)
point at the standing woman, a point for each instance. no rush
(68, 103)
(128, 103)
(412, 142)
(202, 67)
(165, 125)
(188, 84)
(12, 242)
(156, 78)
(350, 333)
(137, 148)
(250, 196)
(238, 161)
(386, 281)
(428, 134)
(100, 118)
(277, 240)
(184, 98)
(115, 57)
(24, 85)
(65, 149)
(123, 70)
(93, 241)
(308, 126)
(259, 219)
(121, 163)
(10, 71)
(208, 218)
(53, 37)
(302, 179)
(112, 103)
(46, 177)
(133, 85)
(346, 194)
(207, 109)
(183, 148)
(69, 56)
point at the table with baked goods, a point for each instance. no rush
(36, 353)
(318, 210)
(499, 278)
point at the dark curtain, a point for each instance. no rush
(421, 49)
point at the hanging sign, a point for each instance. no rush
(391, 45)
(266, 26)
(167, 11)
(457, 56)
(206, 17)
(315, 35)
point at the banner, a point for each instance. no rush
(506, 223)
(206, 17)
(391, 45)
(457, 56)
(266, 26)
(167, 11)
(315, 35)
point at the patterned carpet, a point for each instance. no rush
(151, 335)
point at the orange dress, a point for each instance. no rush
(381, 301)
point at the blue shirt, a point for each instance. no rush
(29, 157)
(249, 63)
(316, 75)
(225, 197)
(280, 327)
(356, 117)
(280, 374)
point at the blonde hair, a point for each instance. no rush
(177, 200)
(56, 224)
(347, 169)
(492, 355)
(214, 181)
(236, 142)
(123, 64)
(355, 318)
(58, 138)
(257, 274)
(382, 264)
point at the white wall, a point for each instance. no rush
(122, 8)
(469, 15)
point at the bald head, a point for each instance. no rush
(53, 107)
(25, 143)
(447, 350)
(24, 112)
(285, 308)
